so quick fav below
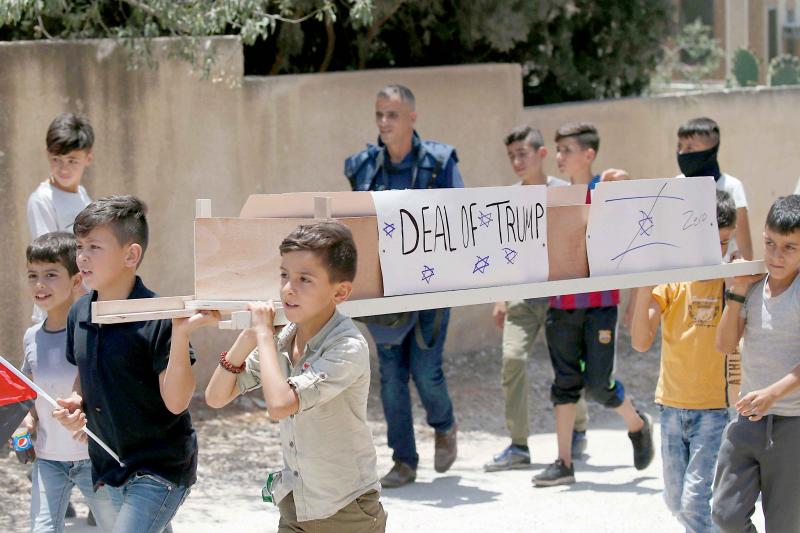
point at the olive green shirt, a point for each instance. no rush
(328, 453)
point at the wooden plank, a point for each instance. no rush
(238, 259)
(359, 203)
(119, 318)
(301, 205)
(239, 320)
(322, 207)
(233, 306)
(570, 195)
(202, 208)
(140, 305)
(566, 241)
(416, 302)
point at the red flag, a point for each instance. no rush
(13, 389)
(15, 400)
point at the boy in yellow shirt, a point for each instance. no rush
(692, 389)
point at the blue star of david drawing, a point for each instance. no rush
(481, 265)
(388, 229)
(484, 218)
(511, 255)
(427, 274)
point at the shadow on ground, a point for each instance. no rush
(444, 492)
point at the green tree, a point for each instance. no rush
(136, 22)
(574, 50)
(569, 50)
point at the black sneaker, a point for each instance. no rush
(555, 474)
(579, 444)
(642, 441)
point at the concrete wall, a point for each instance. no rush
(758, 132)
(169, 138)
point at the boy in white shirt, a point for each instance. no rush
(56, 202)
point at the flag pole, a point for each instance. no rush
(52, 402)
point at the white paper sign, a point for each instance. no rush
(443, 239)
(659, 224)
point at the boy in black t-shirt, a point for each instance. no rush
(135, 379)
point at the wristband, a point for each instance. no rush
(733, 297)
(224, 363)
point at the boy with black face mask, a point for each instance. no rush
(698, 144)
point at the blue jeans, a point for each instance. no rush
(690, 441)
(52, 482)
(146, 503)
(397, 363)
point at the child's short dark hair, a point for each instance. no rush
(69, 132)
(784, 215)
(527, 134)
(700, 127)
(125, 215)
(726, 210)
(56, 247)
(584, 133)
(331, 241)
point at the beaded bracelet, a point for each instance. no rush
(224, 363)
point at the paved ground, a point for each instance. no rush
(609, 496)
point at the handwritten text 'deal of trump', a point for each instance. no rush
(444, 239)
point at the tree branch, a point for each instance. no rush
(329, 30)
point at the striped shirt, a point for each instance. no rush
(586, 299)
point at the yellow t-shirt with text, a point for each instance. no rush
(693, 373)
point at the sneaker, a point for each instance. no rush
(642, 441)
(579, 444)
(445, 449)
(555, 474)
(511, 458)
(400, 474)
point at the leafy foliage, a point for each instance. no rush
(568, 49)
(136, 22)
